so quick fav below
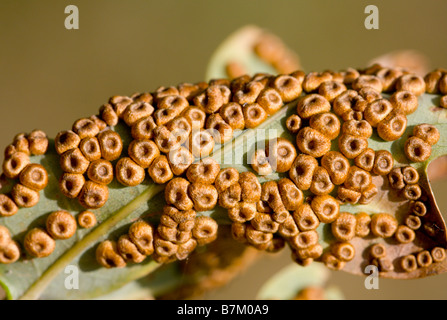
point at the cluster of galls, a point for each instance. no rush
(271, 50)
(275, 215)
(182, 123)
(179, 231)
(170, 128)
(436, 83)
(41, 242)
(176, 236)
(60, 225)
(348, 106)
(86, 153)
(173, 126)
(9, 249)
(407, 263)
(31, 177)
(405, 180)
(418, 145)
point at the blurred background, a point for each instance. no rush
(51, 76)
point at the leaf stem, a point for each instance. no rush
(34, 292)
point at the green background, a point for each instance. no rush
(50, 76)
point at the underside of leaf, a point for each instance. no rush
(214, 263)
